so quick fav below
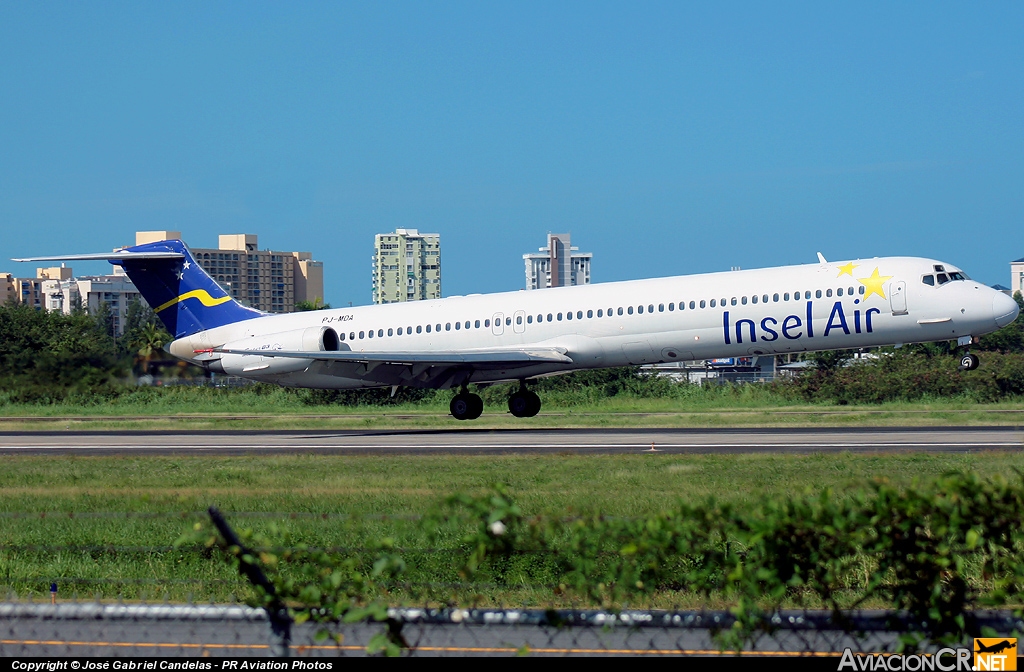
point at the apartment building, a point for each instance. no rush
(269, 280)
(557, 265)
(406, 266)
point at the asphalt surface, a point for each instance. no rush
(516, 441)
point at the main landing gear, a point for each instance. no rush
(524, 403)
(466, 406)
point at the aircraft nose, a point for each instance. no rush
(1004, 309)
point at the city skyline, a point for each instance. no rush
(669, 139)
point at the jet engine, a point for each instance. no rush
(312, 339)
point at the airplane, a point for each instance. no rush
(519, 336)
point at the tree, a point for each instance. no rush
(316, 304)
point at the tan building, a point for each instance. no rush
(406, 266)
(8, 288)
(264, 279)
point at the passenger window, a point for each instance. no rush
(399, 331)
(437, 328)
(764, 299)
(661, 307)
(671, 307)
(609, 313)
(839, 292)
(590, 313)
(775, 298)
(380, 333)
(352, 336)
(942, 278)
(650, 308)
(620, 310)
(428, 328)
(639, 309)
(519, 319)
(712, 303)
(828, 292)
(458, 325)
(549, 317)
(849, 291)
(559, 317)
(817, 293)
(733, 302)
(508, 321)
(785, 297)
(861, 290)
(568, 315)
(370, 333)
(579, 314)
(529, 319)
(487, 323)
(342, 335)
(448, 326)
(600, 312)
(476, 324)
(419, 328)
(361, 334)
(629, 310)
(743, 300)
(753, 299)
(391, 332)
(702, 304)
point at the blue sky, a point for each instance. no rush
(667, 138)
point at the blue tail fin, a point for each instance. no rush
(184, 297)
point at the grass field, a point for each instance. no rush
(106, 525)
(204, 409)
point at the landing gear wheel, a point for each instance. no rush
(476, 406)
(969, 362)
(524, 404)
(466, 406)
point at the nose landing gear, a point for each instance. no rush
(969, 362)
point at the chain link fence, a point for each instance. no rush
(97, 629)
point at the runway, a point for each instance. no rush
(515, 441)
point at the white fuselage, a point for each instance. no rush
(788, 309)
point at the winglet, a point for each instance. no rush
(821, 259)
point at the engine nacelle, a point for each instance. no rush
(312, 339)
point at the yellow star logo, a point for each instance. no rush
(874, 283)
(847, 270)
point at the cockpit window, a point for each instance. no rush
(939, 268)
(956, 275)
(928, 280)
(942, 278)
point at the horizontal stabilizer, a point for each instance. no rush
(439, 358)
(112, 257)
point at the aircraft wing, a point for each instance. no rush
(474, 358)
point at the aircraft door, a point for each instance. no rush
(498, 324)
(519, 321)
(898, 297)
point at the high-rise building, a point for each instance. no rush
(406, 266)
(264, 279)
(557, 265)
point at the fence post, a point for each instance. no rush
(277, 612)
